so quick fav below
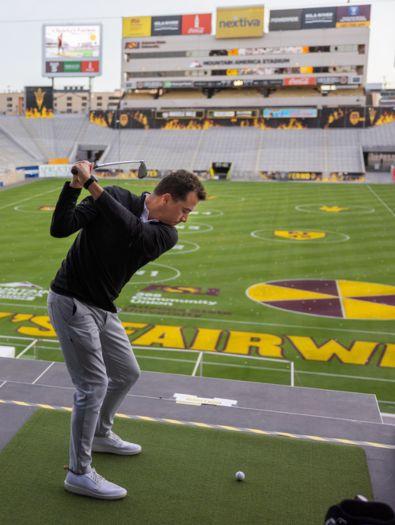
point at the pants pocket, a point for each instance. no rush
(66, 307)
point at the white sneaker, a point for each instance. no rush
(93, 485)
(113, 444)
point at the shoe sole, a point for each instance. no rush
(119, 452)
(84, 492)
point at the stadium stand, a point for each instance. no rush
(67, 132)
(249, 149)
(15, 128)
(11, 153)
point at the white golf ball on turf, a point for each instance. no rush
(240, 476)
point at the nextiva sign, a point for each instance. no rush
(239, 22)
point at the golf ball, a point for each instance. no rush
(240, 476)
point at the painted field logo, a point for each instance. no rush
(333, 209)
(297, 235)
(187, 290)
(47, 208)
(328, 298)
(21, 291)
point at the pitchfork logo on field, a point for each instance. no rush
(21, 291)
(298, 235)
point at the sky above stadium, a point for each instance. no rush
(21, 34)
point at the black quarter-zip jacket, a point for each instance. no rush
(113, 243)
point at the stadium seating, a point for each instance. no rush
(26, 141)
(10, 153)
(15, 129)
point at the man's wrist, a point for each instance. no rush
(95, 190)
(89, 181)
(74, 186)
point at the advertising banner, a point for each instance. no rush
(289, 176)
(291, 118)
(353, 16)
(55, 170)
(54, 67)
(239, 22)
(38, 101)
(177, 114)
(166, 25)
(199, 24)
(318, 17)
(67, 47)
(299, 81)
(178, 84)
(285, 19)
(72, 67)
(290, 113)
(136, 26)
(91, 66)
(332, 80)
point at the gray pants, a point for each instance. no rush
(102, 366)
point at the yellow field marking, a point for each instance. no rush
(257, 431)
(333, 209)
(362, 289)
(317, 438)
(226, 427)
(356, 309)
(263, 292)
(345, 441)
(202, 425)
(217, 427)
(298, 235)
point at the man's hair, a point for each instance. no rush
(179, 183)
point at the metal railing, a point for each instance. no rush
(201, 361)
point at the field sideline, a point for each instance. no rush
(327, 252)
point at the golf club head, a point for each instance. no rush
(142, 172)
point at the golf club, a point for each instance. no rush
(142, 171)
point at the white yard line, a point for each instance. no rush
(42, 373)
(381, 201)
(378, 408)
(26, 349)
(29, 198)
(198, 360)
(347, 376)
(340, 299)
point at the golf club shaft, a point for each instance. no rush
(142, 171)
(96, 166)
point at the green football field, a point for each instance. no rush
(299, 272)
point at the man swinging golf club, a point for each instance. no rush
(119, 232)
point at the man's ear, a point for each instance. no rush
(166, 197)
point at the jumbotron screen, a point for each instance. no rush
(72, 50)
